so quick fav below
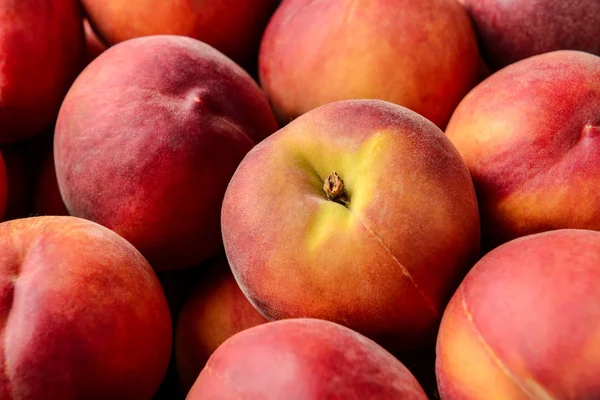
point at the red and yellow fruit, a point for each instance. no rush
(147, 140)
(383, 257)
(419, 54)
(304, 358)
(525, 323)
(233, 27)
(529, 135)
(83, 314)
(41, 53)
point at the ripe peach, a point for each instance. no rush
(304, 359)
(381, 248)
(517, 29)
(83, 314)
(42, 50)
(233, 27)
(216, 310)
(147, 140)
(525, 323)
(419, 54)
(529, 136)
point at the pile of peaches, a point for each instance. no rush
(300, 199)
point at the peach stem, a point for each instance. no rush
(334, 189)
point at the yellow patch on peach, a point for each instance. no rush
(540, 204)
(483, 133)
(358, 170)
(467, 355)
(330, 218)
(472, 367)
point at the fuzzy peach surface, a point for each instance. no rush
(147, 140)
(233, 27)
(511, 31)
(384, 265)
(41, 53)
(419, 54)
(524, 323)
(83, 314)
(303, 359)
(529, 136)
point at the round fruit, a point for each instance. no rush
(147, 140)
(360, 212)
(83, 313)
(422, 55)
(41, 52)
(525, 323)
(304, 359)
(530, 136)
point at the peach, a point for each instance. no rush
(303, 359)
(147, 140)
(525, 323)
(380, 247)
(233, 27)
(529, 135)
(216, 310)
(419, 54)
(517, 29)
(42, 48)
(83, 313)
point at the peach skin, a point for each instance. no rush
(41, 52)
(83, 314)
(529, 136)
(422, 55)
(360, 212)
(303, 359)
(513, 30)
(148, 138)
(525, 322)
(233, 27)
